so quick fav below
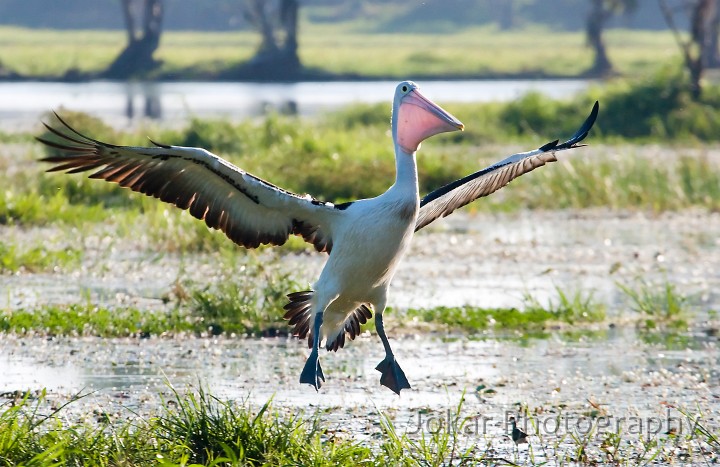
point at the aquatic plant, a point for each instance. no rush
(660, 304)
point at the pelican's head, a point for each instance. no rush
(416, 118)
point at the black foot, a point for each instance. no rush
(312, 373)
(392, 375)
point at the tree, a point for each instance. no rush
(137, 57)
(600, 12)
(713, 57)
(700, 49)
(506, 10)
(277, 22)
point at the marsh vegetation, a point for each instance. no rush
(619, 238)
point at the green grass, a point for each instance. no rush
(575, 309)
(659, 304)
(347, 49)
(91, 320)
(246, 300)
(250, 303)
(192, 429)
(15, 258)
(319, 157)
(197, 428)
(206, 430)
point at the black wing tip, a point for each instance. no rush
(584, 129)
(549, 146)
(579, 135)
(160, 145)
(87, 139)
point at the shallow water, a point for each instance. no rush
(121, 104)
(553, 377)
(484, 260)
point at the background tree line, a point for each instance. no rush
(385, 15)
(276, 21)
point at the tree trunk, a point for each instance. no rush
(701, 18)
(714, 49)
(137, 57)
(704, 30)
(258, 15)
(594, 28)
(289, 20)
(129, 20)
(506, 14)
(693, 50)
(152, 27)
(277, 56)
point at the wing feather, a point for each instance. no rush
(443, 201)
(249, 210)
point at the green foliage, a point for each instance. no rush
(656, 106)
(625, 180)
(445, 443)
(91, 320)
(360, 115)
(36, 258)
(354, 49)
(197, 429)
(247, 299)
(661, 304)
(535, 113)
(348, 155)
(22, 204)
(205, 430)
(580, 307)
(576, 309)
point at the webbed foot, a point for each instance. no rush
(392, 375)
(312, 373)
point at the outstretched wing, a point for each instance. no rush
(459, 193)
(249, 210)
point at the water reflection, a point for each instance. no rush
(121, 104)
(27, 373)
(270, 366)
(146, 98)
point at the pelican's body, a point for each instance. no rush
(360, 231)
(365, 239)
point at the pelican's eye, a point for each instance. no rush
(404, 88)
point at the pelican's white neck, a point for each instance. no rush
(406, 175)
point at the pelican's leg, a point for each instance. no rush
(392, 375)
(312, 372)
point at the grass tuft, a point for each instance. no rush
(660, 304)
(194, 428)
(91, 320)
(575, 309)
(247, 299)
(36, 258)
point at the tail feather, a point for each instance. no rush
(299, 310)
(351, 328)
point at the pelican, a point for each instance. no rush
(365, 239)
